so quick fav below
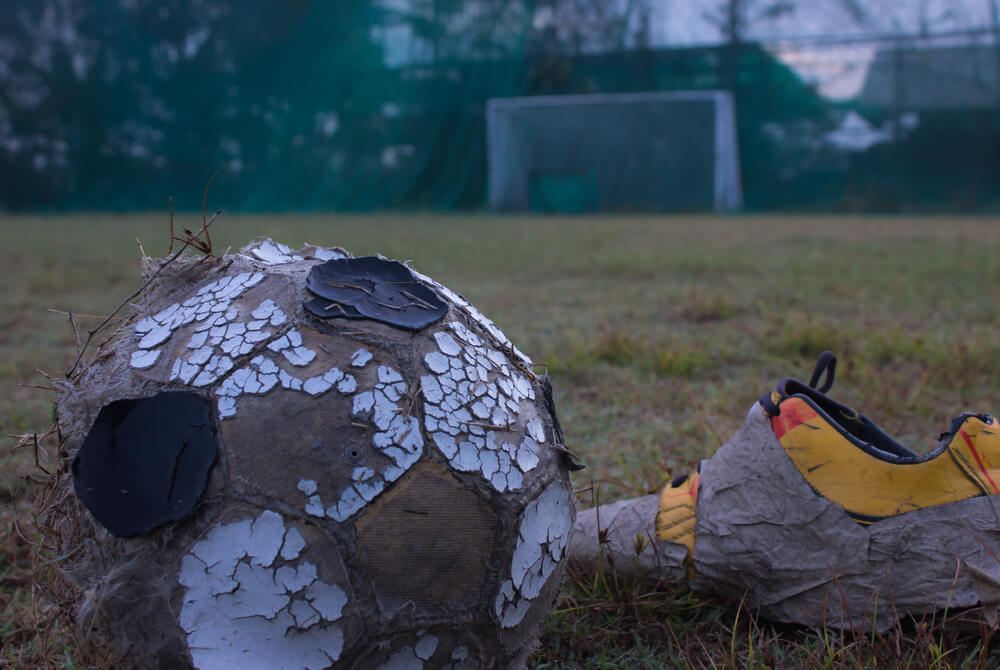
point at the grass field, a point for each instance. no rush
(659, 333)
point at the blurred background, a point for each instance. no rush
(359, 105)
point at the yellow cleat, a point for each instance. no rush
(850, 461)
(811, 514)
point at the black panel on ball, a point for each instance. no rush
(372, 288)
(145, 462)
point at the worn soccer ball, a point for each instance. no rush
(302, 459)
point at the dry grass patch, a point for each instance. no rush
(659, 333)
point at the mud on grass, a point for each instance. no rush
(659, 333)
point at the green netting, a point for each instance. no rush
(302, 105)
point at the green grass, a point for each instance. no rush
(659, 333)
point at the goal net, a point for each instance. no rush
(614, 152)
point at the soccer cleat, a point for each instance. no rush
(812, 514)
(850, 461)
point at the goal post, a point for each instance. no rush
(657, 151)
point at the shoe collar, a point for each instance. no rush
(855, 427)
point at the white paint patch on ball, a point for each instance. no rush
(397, 436)
(144, 359)
(542, 540)
(476, 316)
(472, 409)
(240, 611)
(273, 253)
(210, 307)
(360, 358)
(327, 254)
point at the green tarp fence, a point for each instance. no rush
(297, 110)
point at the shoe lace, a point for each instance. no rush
(825, 365)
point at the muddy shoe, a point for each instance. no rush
(814, 515)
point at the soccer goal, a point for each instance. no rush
(614, 152)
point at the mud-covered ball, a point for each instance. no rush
(303, 459)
